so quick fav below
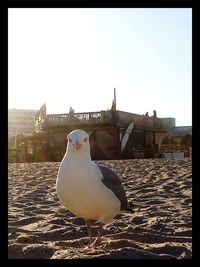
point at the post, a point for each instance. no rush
(115, 98)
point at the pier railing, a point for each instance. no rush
(139, 120)
(118, 116)
(75, 118)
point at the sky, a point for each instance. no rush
(75, 57)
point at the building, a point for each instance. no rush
(45, 135)
(180, 131)
(20, 121)
(107, 130)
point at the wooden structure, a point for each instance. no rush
(106, 129)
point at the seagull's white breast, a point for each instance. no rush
(81, 191)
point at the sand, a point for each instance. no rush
(160, 191)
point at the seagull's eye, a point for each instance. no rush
(85, 139)
(70, 140)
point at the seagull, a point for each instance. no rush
(88, 190)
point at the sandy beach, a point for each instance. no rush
(159, 190)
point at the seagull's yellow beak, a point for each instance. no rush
(78, 145)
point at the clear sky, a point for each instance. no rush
(75, 57)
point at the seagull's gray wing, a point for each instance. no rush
(113, 182)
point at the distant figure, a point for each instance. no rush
(71, 112)
(147, 114)
(154, 114)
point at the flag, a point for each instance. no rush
(40, 118)
(41, 113)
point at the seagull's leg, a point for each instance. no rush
(88, 223)
(100, 231)
(97, 240)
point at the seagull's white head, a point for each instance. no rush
(78, 143)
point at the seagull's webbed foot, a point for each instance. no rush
(97, 241)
